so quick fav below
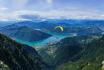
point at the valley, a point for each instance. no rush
(60, 50)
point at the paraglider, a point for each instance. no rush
(60, 27)
(102, 65)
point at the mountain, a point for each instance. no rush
(5, 23)
(44, 26)
(70, 47)
(67, 49)
(64, 50)
(25, 33)
(90, 58)
(18, 56)
(80, 27)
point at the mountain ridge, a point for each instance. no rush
(18, 56)
(25, 33)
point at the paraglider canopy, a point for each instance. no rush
(60, 27)
(103, 62)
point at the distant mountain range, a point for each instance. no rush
(6, 23)
(79, 27)
(24, 33)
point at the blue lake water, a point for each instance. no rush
(52, 39)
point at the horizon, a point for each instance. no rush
(81, 9)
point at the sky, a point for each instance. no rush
(52, 8)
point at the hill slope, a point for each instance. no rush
(25, 33)
(19, 57)
(66, 49)
(90, 58)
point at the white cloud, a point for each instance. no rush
(3, 9)
(49, 1)
(68, 14)
(74, 14)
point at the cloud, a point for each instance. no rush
(49, 1)
(68, 14)
(53, 14)
(3, 9)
